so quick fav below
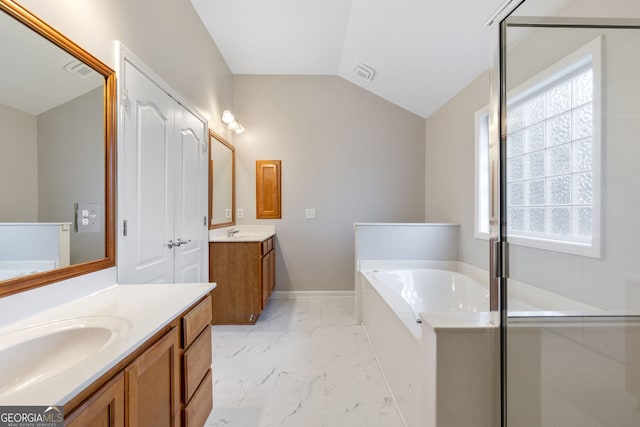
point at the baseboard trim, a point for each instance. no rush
(312, 294)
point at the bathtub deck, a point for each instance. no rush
(304, 363)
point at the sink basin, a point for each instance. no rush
(244, 237)
(31, 355)
(247, 235)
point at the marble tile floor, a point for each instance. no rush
(305, 363)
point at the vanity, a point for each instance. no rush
(125, 355)
(70, 338)
(242, 264)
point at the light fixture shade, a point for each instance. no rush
(227, 117)
(234, 125)
(240, 128)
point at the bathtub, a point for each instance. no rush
(411, 292)
(418, 322)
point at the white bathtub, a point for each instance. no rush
(411, 292)
(450, 309)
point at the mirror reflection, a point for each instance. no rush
(221, 182)
(52, 155)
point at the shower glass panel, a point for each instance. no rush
(571, 213)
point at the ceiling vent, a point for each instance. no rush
(364, 72)
(79, 69)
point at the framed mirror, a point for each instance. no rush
(222, 182)
(57, 155)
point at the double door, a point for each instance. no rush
(162, 192)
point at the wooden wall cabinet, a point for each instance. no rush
(168, 383)
(268, 189)
(244, 273)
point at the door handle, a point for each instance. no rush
(171, 244)
(181, 242)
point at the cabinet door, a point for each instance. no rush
(268, 276)
(266, 283)
(236, 269)
(272, 268)
(268, 189)
(153, 385)
(105, 408)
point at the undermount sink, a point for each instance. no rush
(247, 235)
(39, 352)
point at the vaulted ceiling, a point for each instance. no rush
(423, 51)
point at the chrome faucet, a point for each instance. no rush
(232, 232)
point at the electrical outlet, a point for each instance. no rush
(310, 213)
(240, 213)
(87, 217)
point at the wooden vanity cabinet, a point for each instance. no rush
(244, 273)
(197, 387)
(153, 384)
(166, 383)
(104, 408)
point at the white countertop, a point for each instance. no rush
(137, 313)
(245, 233)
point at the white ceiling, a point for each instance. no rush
(32, 77)
(423, 51)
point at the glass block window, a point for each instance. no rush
(550, 160)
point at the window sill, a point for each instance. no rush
(580, 249)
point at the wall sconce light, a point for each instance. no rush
(229, 120)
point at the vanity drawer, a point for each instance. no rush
(198, 409)
(195, 321)
(196, 361)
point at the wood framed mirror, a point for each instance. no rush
(222, 179)
(57, 136)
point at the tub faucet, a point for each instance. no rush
(232, 232)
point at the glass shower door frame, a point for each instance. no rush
(499, 246)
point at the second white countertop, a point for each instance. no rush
(245, 233)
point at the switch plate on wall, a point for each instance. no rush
(240, 213)
(227, 213)
(310, 213)
(87, 217)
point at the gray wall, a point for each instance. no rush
(345, 152)
(18, 166)
(167, 35)
(71, 168)
(450, 167)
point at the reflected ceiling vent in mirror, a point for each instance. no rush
(364, 72)
(79, 69)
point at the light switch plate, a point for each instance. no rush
(87, 217)
(227, 213)
(310, 213)
(240, 213)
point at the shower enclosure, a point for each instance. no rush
(566, 211)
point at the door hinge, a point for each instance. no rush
(500, 266)
(125, 98)
(124, 228)
(204, 147)
(205, 221)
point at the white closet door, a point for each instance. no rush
(191, 197)
(148, 131)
